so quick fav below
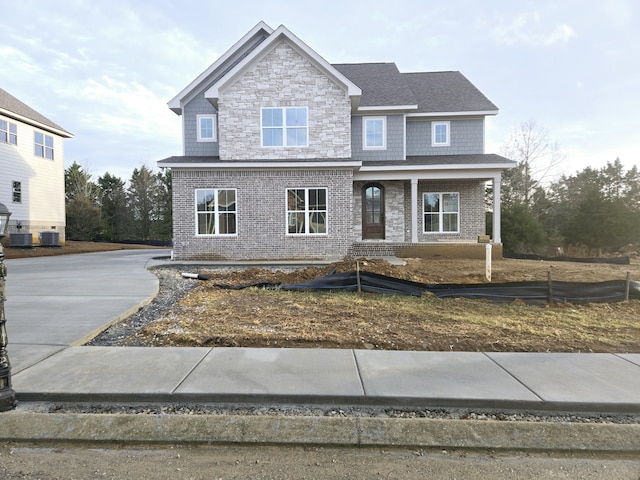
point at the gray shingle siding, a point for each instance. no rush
(261, 214)
(197, 106)
(467, 137)
(395, 140)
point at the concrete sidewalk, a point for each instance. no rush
(55, 302)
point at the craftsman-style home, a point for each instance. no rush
(286, 156)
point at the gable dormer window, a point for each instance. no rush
(374, 133)
(440, 134)
(207, 128)
(284, 127)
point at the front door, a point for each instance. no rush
(373, 212)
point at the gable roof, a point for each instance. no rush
(282, 33)
(246, 52)
(10, 106)
(222, 65)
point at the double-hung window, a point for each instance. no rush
(374, 133)
(285, 127)
(440, 134)
(216, 211)
(206, 128)
(441, 212)
(44, 145)
(307, 211)
(8, 132)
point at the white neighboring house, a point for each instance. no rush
(31, 169)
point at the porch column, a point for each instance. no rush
(496, 208)
(414, 210)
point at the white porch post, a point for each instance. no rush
(414, 210)
(496, 208)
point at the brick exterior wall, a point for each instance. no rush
(472, 212)
(284, 78)
(261, 217)
(467, 137)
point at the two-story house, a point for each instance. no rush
(287, 156)
(31, 169)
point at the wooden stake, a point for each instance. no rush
(626, 287)
(358, 277)
(550, 285)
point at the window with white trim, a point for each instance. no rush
(374, 133)
(8, 132)
(207, 128)
(440, 133)
(441, 212)
(216, 210)
(16, 191)
(43, 145)
(284, 127)
(307, 211)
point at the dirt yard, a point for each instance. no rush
(205, 315)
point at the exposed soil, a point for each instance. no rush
(205, 315)
(191, 312)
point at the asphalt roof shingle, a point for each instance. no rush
(383, 84)
(11, 104)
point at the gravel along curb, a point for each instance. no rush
(305, 430)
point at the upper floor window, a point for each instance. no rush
(44, 145)
(16, 189)
(440, 134)
(284, 127)
(374, 133)
(441, 212)
(307, 211)
(216, 211)
(8, 132)
(206, 128)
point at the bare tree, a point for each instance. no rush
(537, 155)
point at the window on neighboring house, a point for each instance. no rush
(216, 211)
(441, 212)
(284, 127)
(440, 134)
(307, 211)
(8, 132)
(206, 128)
(16, 189)
(44, 145)
(374, 133)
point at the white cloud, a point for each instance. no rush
(529, 29)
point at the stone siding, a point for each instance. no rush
(261, 215)
(284, 78)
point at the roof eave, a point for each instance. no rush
(471, 113)
(21, 118)
(175, 104)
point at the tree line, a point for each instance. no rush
(595, 208)
(113, 210)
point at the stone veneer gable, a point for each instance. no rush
(283, 77)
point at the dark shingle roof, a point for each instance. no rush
(381, 83)
(444, 160)
(11, 104)
(446, 92)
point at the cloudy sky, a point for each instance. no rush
(105, 70)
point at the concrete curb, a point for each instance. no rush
(308, 430)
